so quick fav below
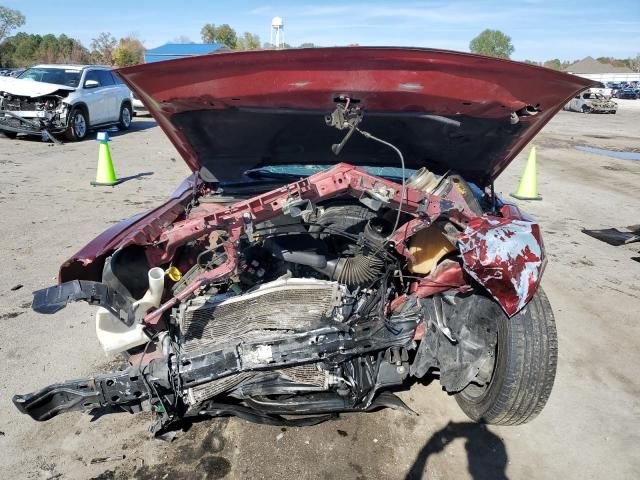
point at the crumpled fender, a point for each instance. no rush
(506, 256)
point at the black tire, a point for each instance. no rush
(526, 360)
(75, 131)
(585, 109)
(11, 135)
(126, 114)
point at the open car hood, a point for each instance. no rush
(29, 88)
(444, 110)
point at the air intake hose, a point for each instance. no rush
(366, 266)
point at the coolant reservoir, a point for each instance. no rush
(428, 246)
(115, 336)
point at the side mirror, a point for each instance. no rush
(91, 84)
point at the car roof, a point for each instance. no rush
(70, 66)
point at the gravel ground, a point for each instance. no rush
(589, 429)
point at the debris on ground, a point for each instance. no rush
(616, 237)
(107, 459)
(16, 287)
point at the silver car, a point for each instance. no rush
(63, 99)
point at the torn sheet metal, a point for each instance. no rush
(506, 257)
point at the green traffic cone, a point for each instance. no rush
(106, 175)
(527, 187)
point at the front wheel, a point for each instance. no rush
(11, 135)
(524, 371)
(78, 126)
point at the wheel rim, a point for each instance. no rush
(79, 125)
(126, 117)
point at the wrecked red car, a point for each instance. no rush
(339, 236)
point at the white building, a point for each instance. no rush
(602, 72)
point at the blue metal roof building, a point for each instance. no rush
(170, 51)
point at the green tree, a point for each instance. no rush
(129, 51)
(554, 64)
(208, 33)
(102, 48)
(223, 34)
(10, 19)
(227, 36)
(493, 43)
(307, 45)
(248, 41)
(26, 46)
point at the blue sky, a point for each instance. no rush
(540, 29)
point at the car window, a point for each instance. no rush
(105, 78)
(117, 79)
(93, 75)
(59, 76)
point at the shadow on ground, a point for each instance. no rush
(133, 177)
(486, 453)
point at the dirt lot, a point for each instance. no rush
(589, 429)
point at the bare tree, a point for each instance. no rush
(634, 63)
(102, 48)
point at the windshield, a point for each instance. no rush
(300, 170)
(291, 172)
(58, 76)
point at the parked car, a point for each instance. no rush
(63, 99)
(138, 106)
(339, 236)
(604, 92)
(628, 94)
(590, 102)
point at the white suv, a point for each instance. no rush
(69, 99)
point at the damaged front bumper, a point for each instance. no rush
(41, 122)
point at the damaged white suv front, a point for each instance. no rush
(47, 100)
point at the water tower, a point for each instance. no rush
(277, 32)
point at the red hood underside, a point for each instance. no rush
(239, 110)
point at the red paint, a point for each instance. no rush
(506, 256)
(390, 80)
(447, 275)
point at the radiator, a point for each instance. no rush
(271, 311)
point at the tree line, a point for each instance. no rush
(495, 43)
(25, 49)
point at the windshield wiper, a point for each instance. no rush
(266, 173)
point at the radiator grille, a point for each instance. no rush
(307, 374)
(272, 311)
(294, 305)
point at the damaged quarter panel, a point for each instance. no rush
(506, 256)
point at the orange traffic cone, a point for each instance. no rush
(527, 187)
(106, 175)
